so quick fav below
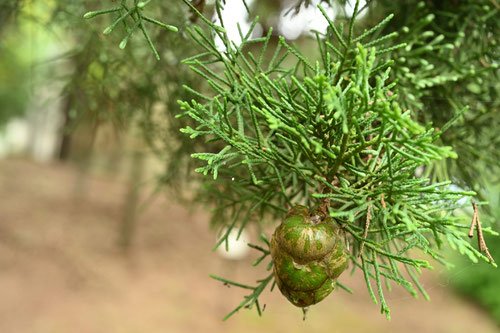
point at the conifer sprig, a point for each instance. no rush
(330, 131)
(451, 60)
(132, 18)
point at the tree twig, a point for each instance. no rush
(495, 4)
(480, 237)
(382, 201)
(367, 226)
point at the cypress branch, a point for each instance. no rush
(336, 134)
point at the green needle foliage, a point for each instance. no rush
(287, 129)
(451, 60)
(252, 299)
(132, 18)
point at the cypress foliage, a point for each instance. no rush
(336, 132)
(350, 129)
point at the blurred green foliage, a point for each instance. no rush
(14, 81)
(14, 67)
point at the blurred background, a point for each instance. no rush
(105, 227)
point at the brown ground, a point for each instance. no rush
(61, 271)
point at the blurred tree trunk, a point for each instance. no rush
(131, 203)
(84, 161)
(65, 146)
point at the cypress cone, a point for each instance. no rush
(309, 255)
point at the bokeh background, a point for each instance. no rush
(102, 225)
